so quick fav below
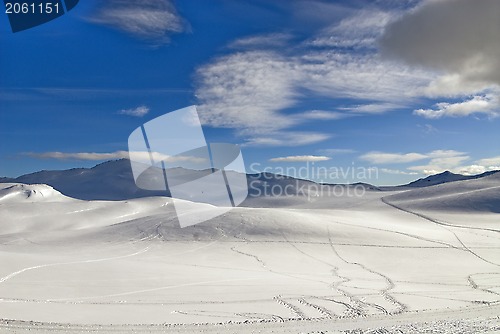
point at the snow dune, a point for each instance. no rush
(30, 193)
(341, 261)
(475, 195)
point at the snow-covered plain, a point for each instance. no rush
(414, 259)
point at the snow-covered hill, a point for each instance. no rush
(113, 180)
(472, 195)
(445, 177)
(333, 257)
(313, 252)
(14, 193)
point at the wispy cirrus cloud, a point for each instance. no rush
(144, 157)
(485, 104)
(494, 161)
(300, 158)
(336, 151)
(481, 166)
(325, 115)
(435, 162)
(374, 108)
(152, 20)
(139, 111)
(252, 90)
(440, 161)
(397, 172)
(356, 31)
(288, 138)
(428, 128)
(92, 156)
(475, 169)
(273, 40)
(246, 91)
(392, 158)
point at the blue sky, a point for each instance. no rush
(408, 88)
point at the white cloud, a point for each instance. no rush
(92, 156)
(322, 115)
(392, 158)
(495, 161)
(137, 112)
(374, 108)
(336, 151)
(288, 138)
(455, 85)
(246, 91)
(428, 128)
(487, 104)
(273, 40)
(153, 20)
(251, 90)
(356, 31)
(357, 76)
(442, 154)
(318, 11)
(397, 172)
(472, 170)
(300, 158)
(79, 156)
(438, 162)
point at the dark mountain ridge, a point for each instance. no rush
(113, 180)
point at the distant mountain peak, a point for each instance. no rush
(113, 180)
(446, 177)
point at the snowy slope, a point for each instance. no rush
(473, 195)
(113, 180)
(39, 208)
(29, 193)
(316, 257)
(445, 177)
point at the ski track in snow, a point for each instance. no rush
(349, 287)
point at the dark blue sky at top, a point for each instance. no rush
(62, 85)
